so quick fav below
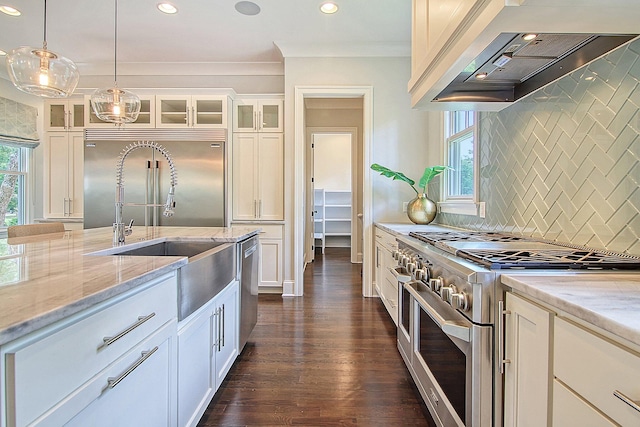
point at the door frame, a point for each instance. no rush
(328, 130)
(299, 154)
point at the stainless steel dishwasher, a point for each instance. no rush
(248, 275)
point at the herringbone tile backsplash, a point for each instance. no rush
(564, 163)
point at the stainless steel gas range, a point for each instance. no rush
(450, 306)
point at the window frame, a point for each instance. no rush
(25, 182)
(461, 205)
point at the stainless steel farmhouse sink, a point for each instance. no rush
(210, 267)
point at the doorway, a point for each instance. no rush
(301, 199)
(332, 157)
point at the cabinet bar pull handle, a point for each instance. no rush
(112, 382)
(501, 325)
(107, 341)
(635, 404)
(222, 328)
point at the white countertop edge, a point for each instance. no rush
(594, 299)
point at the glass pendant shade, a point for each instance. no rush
(115, 105)
(40, 72)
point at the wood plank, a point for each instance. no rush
(326, 359)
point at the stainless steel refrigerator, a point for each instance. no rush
(198, 157)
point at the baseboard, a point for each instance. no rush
(288, 288)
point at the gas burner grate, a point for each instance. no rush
(549, 258)
(473, 236)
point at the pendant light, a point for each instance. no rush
(113, 104)
(42, 72)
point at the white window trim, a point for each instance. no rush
(459, 205)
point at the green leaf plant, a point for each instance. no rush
(428, 174)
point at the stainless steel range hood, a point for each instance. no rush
(512, 67)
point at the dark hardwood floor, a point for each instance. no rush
(326, 359)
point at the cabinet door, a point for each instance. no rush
(64, 114)
(208, 112)
(245, 175)
(64, 160)
(270, 115)
(270, 177)
(146, 118)
(527, 376)
(75, 203)
(245, 117)
(270, 275)
(225, 345)
(196, 383)
(56, 175)
(172, 111)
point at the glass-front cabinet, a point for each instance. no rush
(64, 115)
(191, 111)
(146, 118)
(258, 115)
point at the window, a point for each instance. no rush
(460, 181)
(13, 174)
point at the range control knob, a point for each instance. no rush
(435, 284)
(411, 266)
(447, 291)
(460, 301)
(395, 254)
(421, 274)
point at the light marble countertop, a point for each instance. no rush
(610, 301)
(46, 278)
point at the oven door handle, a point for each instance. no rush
(453, 329)
(402, 278)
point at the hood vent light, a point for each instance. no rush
(514, 65)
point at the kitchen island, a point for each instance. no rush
(89, 338)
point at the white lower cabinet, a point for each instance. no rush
(559, 373)
(136, 391)
(113, 364)
(207, 348)
(527, 373)
(386, 283)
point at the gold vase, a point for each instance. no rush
(422, 210)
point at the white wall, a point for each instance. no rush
(332, 161)
(397, 129)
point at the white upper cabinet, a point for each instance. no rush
(191, 111)
(449, 36)
(64, 115)
(258, 115)
(146, 118)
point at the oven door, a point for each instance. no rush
(404, 313)
(452, 360)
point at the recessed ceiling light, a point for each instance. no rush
(529, 37)
(167, 8)
(2, 53)
(247, 8)
(329, 7)
(12, 11)
(481, 76)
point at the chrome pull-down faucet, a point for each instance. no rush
(119, 230)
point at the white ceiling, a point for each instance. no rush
(206, 35)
